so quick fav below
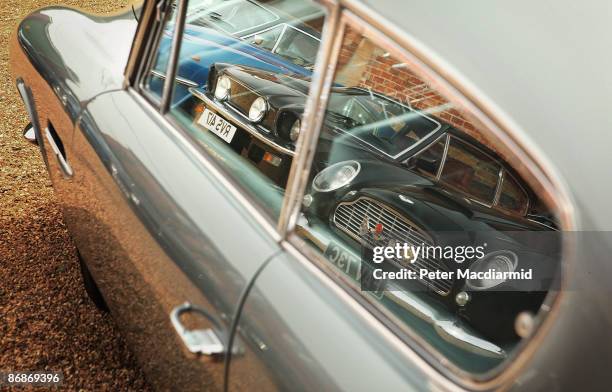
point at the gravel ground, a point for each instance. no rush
(47, 322)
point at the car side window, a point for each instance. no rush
(470, 171)
(389, 208)
(241, 99)
(266, 39)
(512, 196)
(154, 80)
(429, 161)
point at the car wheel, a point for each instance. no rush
(91, 287)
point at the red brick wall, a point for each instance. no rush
(368, 66)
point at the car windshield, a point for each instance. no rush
(230, 16)
(383, 124)
(289, 42)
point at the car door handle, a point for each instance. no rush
(59, 156)
(197, 341)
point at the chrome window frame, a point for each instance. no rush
(142, 57)
(284, 29)
(151, 22)
(469, 196)
(541, 176)
(505, 173)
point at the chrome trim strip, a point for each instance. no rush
(444, 155)
(65, 168)
(152, 45)
(177, 41)
(500, 179)
(243, 125)
(312, 120)
(183, 81)
(279, 39)
(452, 330)
(139, 47)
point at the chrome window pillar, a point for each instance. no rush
(312, 120)
(177, 40)
(443, 159)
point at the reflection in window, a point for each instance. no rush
(470, 171)
(512, 196)
(393, 165)
(243, 76)
(230, 16)
(429, 161)
(266, 39)
(382, 123)
(298, 45)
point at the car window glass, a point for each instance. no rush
(266, 39)
(154, 80)
(429, 161)
(470, 171)
(230, 16)
(512, 196)
(242, 101)
(299, 46)
(374, 187)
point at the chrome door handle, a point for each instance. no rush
(197, 341)
(64, 166)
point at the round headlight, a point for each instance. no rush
(490, 264)
(222, 88)
(258, 109)
(336, 176)
(294, 132)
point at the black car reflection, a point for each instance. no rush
(266, 109)
(383, 165)
(434, 198)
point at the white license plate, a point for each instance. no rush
(217, 125)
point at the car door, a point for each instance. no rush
(157, 230)
(326, 314)
(300, 332)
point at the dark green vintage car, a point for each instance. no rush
(229, 266)
(445, 187)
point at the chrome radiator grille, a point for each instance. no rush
(350, 216)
